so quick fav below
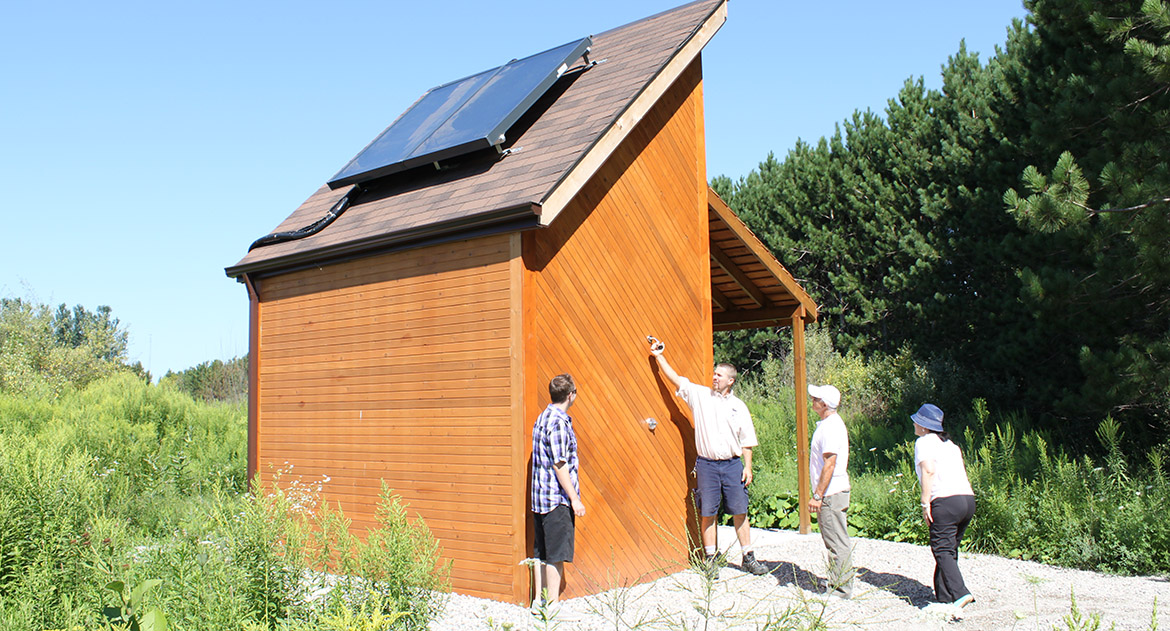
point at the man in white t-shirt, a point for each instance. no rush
(724, 437)
(828, 463)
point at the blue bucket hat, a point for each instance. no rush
(929, 417)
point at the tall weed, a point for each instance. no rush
(397, 567)
(47, 498)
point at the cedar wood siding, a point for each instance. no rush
(400, 367)
(629, 256)
(427, 368)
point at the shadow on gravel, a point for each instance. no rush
(791, 574)
(905, 588)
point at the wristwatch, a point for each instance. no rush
(817, 496)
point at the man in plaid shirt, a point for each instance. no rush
(556, 499)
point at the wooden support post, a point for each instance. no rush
(800, 377)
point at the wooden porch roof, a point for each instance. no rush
(749, 287)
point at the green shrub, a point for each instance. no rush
(775, 424)
(887, 506)
(47, 498)
(127, 483)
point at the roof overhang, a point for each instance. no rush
(515, 219)
(749, 288)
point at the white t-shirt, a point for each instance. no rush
(950, 476)
(723, 425)
(830, 437)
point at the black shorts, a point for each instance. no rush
(554, 535)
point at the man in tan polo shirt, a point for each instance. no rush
(724, 437)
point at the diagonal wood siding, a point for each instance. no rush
(627, 258)
(401, 368)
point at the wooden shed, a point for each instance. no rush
(410, 337)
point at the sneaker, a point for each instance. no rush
(964, 600)
(750, 564)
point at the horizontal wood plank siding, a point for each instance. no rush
(628, 257)
(400, 368)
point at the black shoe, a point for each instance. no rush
(750, 564)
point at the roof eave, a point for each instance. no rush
(521, 217)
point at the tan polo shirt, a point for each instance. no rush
(723, 425)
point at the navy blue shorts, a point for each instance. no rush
(721, 481)
(554, 535)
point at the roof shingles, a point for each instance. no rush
(631, 55)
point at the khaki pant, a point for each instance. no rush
(835, 533)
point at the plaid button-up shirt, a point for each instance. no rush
(553, 441)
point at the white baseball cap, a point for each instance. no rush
(829, 394)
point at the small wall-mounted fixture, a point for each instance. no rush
(651, 423)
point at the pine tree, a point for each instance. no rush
(1058, 303)
(1105, 192)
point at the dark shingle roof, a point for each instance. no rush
(513, 191)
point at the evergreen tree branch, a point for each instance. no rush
(1101, 211)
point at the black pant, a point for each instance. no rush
(949, 519)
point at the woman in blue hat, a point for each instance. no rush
(948, 503)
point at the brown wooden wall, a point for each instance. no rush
(627, 258)
(401, 368)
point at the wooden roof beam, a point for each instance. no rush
(721, 301)
(746, 318)
(739, 326)
(736, 274)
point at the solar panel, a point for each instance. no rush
(462, 116)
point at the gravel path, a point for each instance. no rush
(893, 592)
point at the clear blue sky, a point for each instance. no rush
(144, 145)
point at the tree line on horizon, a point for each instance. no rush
(45, 352)
(1009, 229)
